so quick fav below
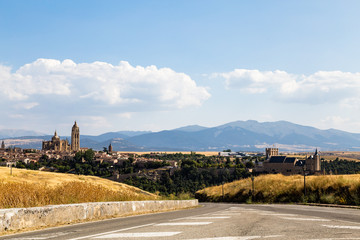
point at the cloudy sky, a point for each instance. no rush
(156, 65)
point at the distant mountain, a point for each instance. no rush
(191, 128)
(111, 135)
(238, 136)
(251, 135)
(11, 133)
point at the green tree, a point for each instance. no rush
(89, 156)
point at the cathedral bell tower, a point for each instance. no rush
(75, 138)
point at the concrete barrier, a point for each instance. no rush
(22, 218)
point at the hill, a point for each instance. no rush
(329, 189)
(11, 133)
(238, 136)
(251, 136)
(27, 188)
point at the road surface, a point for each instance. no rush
(216, 221)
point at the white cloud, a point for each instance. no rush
(102, 83)
(94, 122)
(26, 105)
(335, 120)
(16, 116)
(320, 87)
(126, 115)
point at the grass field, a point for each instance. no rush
(27, 188)
(337, 189)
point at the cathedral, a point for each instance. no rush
(56, 144)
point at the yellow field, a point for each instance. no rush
(340, 189)
(27, 188)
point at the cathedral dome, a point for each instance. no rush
(55, 137)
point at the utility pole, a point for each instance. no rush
(222, 186)
(304, 169)
(252, 187)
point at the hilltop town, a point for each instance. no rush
(161, 171)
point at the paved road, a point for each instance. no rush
(219, 222)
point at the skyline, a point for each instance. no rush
(157, 65)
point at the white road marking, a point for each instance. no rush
(120, 230)
(278, 214)
(307, 219)
(228, 238)
(43, 236)
(227, 213)
(238, 238)
(138, 235)
(183, 223)
(209, 217)
(32, 238)
(352, 238)
(342, 227)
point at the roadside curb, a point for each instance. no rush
(37, 217)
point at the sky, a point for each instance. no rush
(157, 64)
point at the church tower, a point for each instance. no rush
(75, 138)
(2, 145)
(110, 149)
(317, 162)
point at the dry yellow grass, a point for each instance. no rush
(27, 188)
(341, 189)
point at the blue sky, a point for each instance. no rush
(155, 65)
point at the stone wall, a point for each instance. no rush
(22, 218)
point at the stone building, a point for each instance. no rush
(56, 144)
(2, 145)
(290, 165)
(271, 152)
(313, 164)
(75, 138)
(110, 149)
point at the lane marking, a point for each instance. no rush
(31, 238)
(119, 230)
(238, 238)
(137, 235)
(44, 236)
(279, 214)
(333, 238)
(342, 227)
(210, 217)
(228, 238)
(229, 213)
(183, 223)
(341, 211)
(307, 219)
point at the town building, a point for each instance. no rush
(56, 144)
(271, 152)
(59, 145)
(75, 138)
(289, 165)
(2, 145)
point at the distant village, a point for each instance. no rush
(57, 148)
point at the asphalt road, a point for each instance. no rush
(218, 222)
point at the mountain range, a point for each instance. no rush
(238, 136)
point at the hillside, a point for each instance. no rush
(27, 188)
(238, 136)
(333, 189)
(251, 136)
